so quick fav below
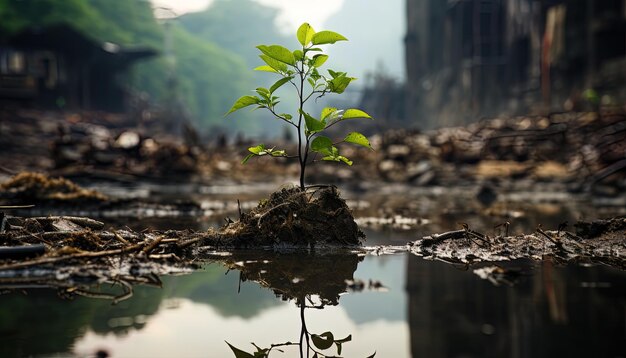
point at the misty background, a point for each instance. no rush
(207, 48)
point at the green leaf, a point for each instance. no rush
(287, 116)
(265, 68)
(328, 111)
(354, 113)
(263, 92)
(323, 341)
(277, 153)
(242, 102)
(327, 37)
(258, 150)
(358, 138)
(279, 53)
(239, 353)
(279, 83)
(337, 74)
(319, 60)
(345, 160)
(313, 125)
(305, 34)
(298, 55)
(275, 64)
(315, 75)
(322, 145)
(339, 84)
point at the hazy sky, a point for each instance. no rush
(294, 12)
(375, 28)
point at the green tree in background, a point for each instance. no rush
(207, 75)
(238, 26)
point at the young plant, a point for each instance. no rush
(301, 69)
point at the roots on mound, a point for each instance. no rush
(300, 218)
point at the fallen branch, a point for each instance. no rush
(437, 238)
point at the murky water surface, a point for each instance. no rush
(395, 305)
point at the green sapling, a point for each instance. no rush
(301, 69)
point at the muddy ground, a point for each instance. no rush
(73, 253)
(573, 151)
(483, 168)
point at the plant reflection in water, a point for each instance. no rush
(311, 281)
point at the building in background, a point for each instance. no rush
(467, 59)
(58, 67)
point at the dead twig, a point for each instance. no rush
(165, 257)
(539, 230)
(88, 254)
(146, 250)
(183, 244)
(78, 220)
(436, 238)
(119, 238)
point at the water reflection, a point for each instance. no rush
(429, 309)
(296, 275)
(310, 281)
(556, 312)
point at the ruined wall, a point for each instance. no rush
(468, 59)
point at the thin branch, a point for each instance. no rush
(281, 117)
(333, 123)
(295, 86)
(314, 92)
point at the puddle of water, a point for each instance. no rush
(423, 309)
(397, 305)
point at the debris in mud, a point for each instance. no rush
(574, 151)
(467, 246)
(30, 188)
(577, 150)
(30, 193)
(317, 216)
(601, 227)
(290, 217)
(397, 222)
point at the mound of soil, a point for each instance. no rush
(32, 188)
(294, 217)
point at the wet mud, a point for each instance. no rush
(604, 244)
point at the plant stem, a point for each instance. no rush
(305, 332)
(301, 157)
